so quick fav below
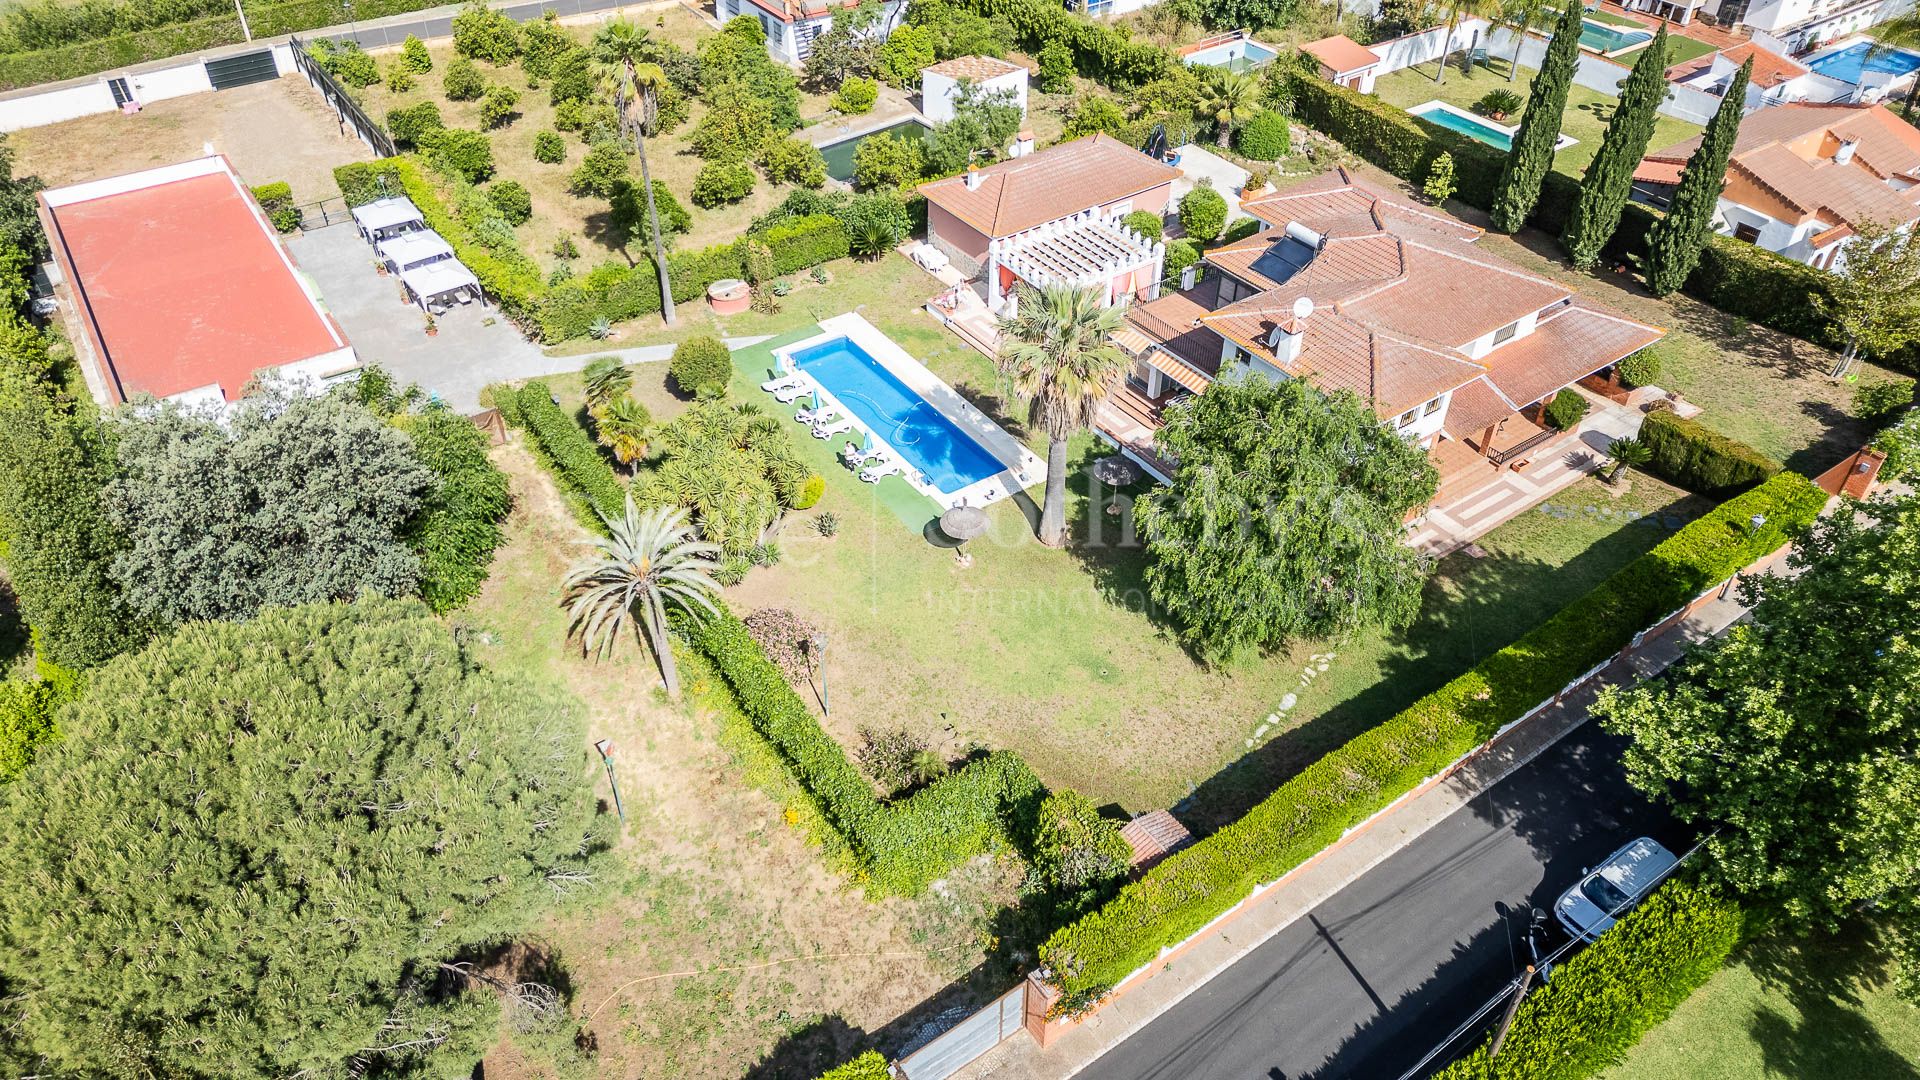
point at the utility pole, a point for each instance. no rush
(242, 12)
(1506, 1021)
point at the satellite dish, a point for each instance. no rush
(1302, 307)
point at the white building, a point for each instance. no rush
(1776, 80)
(940, 84)
(1799, 23)
(792, 25)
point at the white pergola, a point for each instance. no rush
(442, 283)
(413, 249)
(1085, 250)
(383, 218)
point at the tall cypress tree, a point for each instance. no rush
(1532, 153)
(1673, 244)
(1609, 180)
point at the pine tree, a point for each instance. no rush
(1673, 244)
(1609, 180)
(1533, 145)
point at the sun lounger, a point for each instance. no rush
(885, 468)
(781, 383)
(787, 393)
(829, 428)
(853, 457)
(814, 416)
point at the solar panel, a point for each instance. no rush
(1283, 259)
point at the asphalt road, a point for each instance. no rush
(1369, 981)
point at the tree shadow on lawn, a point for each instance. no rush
(1842, 434)
(1102, 538)
(808, 1051)
(13, 628)
(1822, 977)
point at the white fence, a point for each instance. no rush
(51, 104)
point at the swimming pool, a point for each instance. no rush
(839, 155)
(1853, 63)
(1498, 136)
(1240, 55)
(1608, 40)
(922, 435)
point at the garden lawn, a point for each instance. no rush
(1585, 118)
(1814, 1009)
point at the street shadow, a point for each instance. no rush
(808, 1051)
(1827, 1032)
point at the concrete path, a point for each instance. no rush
(1198, 162)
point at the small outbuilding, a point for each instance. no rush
(1345, 61)
(940, 84)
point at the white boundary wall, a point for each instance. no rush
(92, 96)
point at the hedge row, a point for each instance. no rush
(1604, 999)
(1310, 811)
(574, 459)
(902, 846)
(1099, 51)
(458, 527)
(1700, 459)
(868, 1066)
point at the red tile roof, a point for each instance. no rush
(1770, 69)
(1566, 346)
(1049, 184)
(1341, 53)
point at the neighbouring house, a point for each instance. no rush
(177, 287)
(1802, 176)
(1801, 23)
(1681, 12)
(1345, 61)
(792, 25)
(1053, 216)
(1357, 288)
(940, 84)
(1776, 80)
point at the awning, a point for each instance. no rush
(389, 213)
(413, 249)
(438, 279)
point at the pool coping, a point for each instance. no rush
(1022, 467)
(1508, 130)
(1847, 43)
(1622, 50)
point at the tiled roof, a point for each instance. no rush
(1341, 53)
(1770, 69)
(1568, 345)
(973, 67)
(1153, 836)
(1173, 320)
(1049, 184)
(1338, 202)
(1476, 407)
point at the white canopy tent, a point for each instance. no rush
(414, 249)
(387, 217)
(437, 285)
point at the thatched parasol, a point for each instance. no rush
(964, 523)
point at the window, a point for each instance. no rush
(1431, 407)
(1231, 289)
(1409, 416)
(1505, 334)
(1743, 231)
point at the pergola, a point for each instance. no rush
(441, 284)
(414, 249)
(1086, 250)
(391, 216)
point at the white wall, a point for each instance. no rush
(55, 105)
(1598, 73)
(1419, 48)
(150, 86)
(938, 92)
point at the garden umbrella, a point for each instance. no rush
(963, 523)
(1117, 470)
(816, 399)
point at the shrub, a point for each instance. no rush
(1264, 136)
(721, 182)
(790, 161)
(1439, 185)
(482, 33)
(276, 201)
(1056, 68)
(361, 182)
(1499, 104)
(415, 125)
(1641, 368)
(884, 162)
(1074, 846)
(26, 722)
(868, 1066)
(347, 61)
(1566, 409)
(1146, 223)
(1610, 994)
(875, 223)
(601, 171)
(463, 81)
(1100, 51)
(1312, 809)
(549, 148)
(1180, 254)
(457, 528)
(1699, 459)
(889, 756)
(1203, 213)
(700, 363)
(571, 455)
(856, 96)
(496, 108)
(400, 79)
(827, 523)
(543, 42)
(811, 492)
(1240, 230)
(1901, 444)
(904, 54)
(510, 197)
(572, 74)
(462, 153)
(785, 638)
(1872, 401)
(803, 242)
(414, 56)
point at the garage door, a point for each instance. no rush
(240, 70)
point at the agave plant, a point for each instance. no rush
(1626, 452)
(650, 561)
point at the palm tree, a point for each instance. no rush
(1625, 452)
(648, 563)
(1900, 32)
(622, 60)
(607, 381)
(1520, 16)
(1456, 10)
(1056, 351)
(1227, 95)
(626, 428)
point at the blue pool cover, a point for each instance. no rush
(1851, 63)
(896, 415)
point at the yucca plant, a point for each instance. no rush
(1624, 453)
(650, 561)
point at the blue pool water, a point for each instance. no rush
(1468, 126)
(1236, 55)
(895, 414)
(1609, 39)
(1853, 62)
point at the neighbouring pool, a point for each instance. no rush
(1237, 55)
(917, 431)
(1606, 39)
(1853, 63)
(839, 155)
(1498, 136)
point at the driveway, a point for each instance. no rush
(1198, 163)
(1373, 978)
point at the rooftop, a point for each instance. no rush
(1341, 53)
(1049, 184)
(1770, 69)
(973, 67)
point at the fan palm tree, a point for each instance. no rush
(607, 381)
(622, 57)
(626, 428)
(1900, 32)
(1226, 97)
(1056, 351)
(1457, 10)
(1627, 452)
(1520, 16)
(649, 562)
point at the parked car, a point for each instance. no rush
(1610, 890)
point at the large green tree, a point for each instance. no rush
(1609, 179)
(1533, 145)
(1057, 353)
(286, 500)
(258, 843)
(1875, 304)
(1674, 241)
(1798, 733)
(1286, 517)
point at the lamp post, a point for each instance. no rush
(605, 746)
(352, 27)
(242, 12)
(820, 648)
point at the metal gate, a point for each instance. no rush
(966, 1041)
(231, 71)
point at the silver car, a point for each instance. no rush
(1610, 889)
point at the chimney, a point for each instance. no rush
(973, 178)
(1845, 153)
(1022, 144)
(1285, 338)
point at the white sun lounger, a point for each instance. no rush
(829, 428)
(772, 386)
(823, 414)
(787, 393)
(892, 467)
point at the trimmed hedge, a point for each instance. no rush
(276, 201)
(902, 846)
(1613, 992)
(1702, 460)
(576, 461)
(806, 241)
(1193, 887)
